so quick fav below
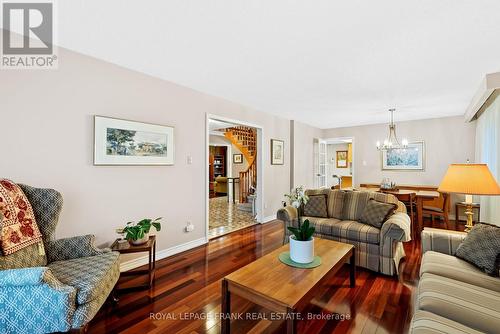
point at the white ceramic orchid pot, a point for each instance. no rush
(301, 251)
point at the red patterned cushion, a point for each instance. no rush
(17, 220)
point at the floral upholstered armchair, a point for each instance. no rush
(54, 285)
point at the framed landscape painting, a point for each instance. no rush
(122, 142)
(277, 152)
(410, 158)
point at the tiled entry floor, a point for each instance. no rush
(225, 217)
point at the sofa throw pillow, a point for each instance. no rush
(376, 213)
(481, 247)
(316, 206)
(354, 204)
(336, 203)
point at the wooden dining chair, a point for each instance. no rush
(439, 211)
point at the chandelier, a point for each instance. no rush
(392, 141)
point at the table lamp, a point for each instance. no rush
(469, 179)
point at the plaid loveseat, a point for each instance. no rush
(376, 249)
(55, 285)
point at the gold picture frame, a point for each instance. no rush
(342, 159)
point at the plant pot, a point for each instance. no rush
(140, 241)
(301, 251)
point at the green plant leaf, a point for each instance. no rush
(296, 232)
(304, 232)
(144, 222)
(138, 230)
(310, 232)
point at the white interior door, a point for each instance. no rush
(322, 172)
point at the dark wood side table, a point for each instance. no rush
(463, 205)
(127, 248)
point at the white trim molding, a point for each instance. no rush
(164, 253)
(490, 83)
(268, 219)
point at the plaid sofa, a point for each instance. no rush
(55, 285)
(376, 249)
(453, 296)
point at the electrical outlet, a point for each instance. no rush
(189, 227)
(189, 160)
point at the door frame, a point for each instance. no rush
(260, 165)
(353, 140)
(318, 173)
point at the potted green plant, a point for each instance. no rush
(302, 241)
(138, 233)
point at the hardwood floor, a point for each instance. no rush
(186, 294)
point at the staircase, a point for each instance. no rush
(245, 139)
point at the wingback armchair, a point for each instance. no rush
(58, 286)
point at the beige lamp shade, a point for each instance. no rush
(469, 179)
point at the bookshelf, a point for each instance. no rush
(217, 162)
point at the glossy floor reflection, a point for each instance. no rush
(185, 297)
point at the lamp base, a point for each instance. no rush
(469, 213)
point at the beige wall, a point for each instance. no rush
(47, 131)
(47, 136)
(304, 162)
(447, 140)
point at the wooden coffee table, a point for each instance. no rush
(283, 289)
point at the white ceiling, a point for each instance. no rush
(328, 63)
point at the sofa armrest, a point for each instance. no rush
(401, 207)
(73, 248)
(23, 276)
(32, 276)
(287, 214)
(442, 241)
(397, 227)
(35, 301)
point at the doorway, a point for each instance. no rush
(334, 163)
(234, 182)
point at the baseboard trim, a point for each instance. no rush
(268, 219)
(140, 261)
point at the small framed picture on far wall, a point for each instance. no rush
(237, 158)
(341, 159)
(277, 152)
